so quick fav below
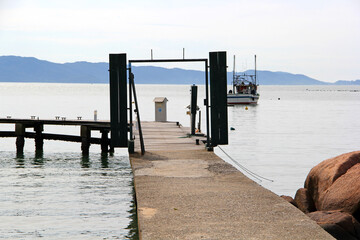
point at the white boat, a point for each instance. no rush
(244, 89)
(234, 99)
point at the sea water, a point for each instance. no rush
(289, 131)
(292, 129)
(62, 195)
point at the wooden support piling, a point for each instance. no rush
(104, 141)
(39, 140)
(20, 137)
(111, 151)
(85, 134)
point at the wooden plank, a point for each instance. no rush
(51, 136)
(31, 122)
(167, 136)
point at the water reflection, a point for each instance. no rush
(39, 158)
(104, 160)
(20, 162)
(39, 154)
(50, 183)
(85, 161)
(133, 225)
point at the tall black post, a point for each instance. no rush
(206, 103)
(131, 147)
(218, 96)
(118, 100)
(193, 108)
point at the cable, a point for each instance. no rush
(254, 175)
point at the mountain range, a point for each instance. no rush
(30, 69)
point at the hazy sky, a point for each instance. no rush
(318, 38)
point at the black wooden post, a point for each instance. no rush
(20, 137)
(104, 141)
(218, 93)
(118, 100)
(85, 134)
(193, 108)
(39, 141)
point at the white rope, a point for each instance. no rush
(254, 175)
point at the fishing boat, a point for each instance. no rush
(244, 89)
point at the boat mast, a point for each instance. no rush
(234, 76)
(255, 69)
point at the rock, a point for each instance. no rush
(339, 224)
(337, 232)
(289, 199)
(344, 193)
(304, 201)
(334, 183)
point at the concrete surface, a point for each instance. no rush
(193, 194)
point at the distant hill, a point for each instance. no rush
(344, 82)
(29, 69)
(284, 78)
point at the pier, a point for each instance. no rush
(37, 125)
(184, 191)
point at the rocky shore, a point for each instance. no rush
(331, 195)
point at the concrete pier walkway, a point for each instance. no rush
(186, 192)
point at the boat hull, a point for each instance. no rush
(234, 99)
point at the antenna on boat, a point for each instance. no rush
(234, 76)
(234, 68)
(255, 69)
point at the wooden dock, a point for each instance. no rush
(186, 192)
(160, 136)
(86, 127)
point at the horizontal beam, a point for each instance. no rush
(168, 60)
(51, 136)
(31, 122)
(7, 134)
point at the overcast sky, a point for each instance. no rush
(318, 38)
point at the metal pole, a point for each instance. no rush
(130, 107)
(169, 60)
(199, 124)
(138, 116)
(183, 53)
(151, 54)
(255, 69)
(234, 76)
(207, 104)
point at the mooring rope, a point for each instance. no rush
(254, 175)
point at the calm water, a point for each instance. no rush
(292, 129)
(62, 195)
(283, 139)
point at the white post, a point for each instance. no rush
(95, 115)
